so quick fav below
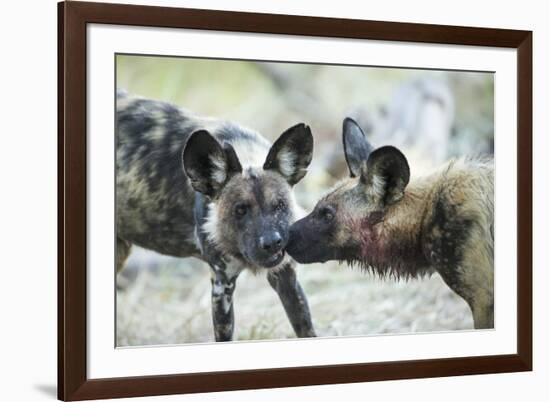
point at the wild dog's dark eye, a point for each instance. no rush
(327, 213)
(241, 210)
(280, 205)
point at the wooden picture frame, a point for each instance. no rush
(73, 17)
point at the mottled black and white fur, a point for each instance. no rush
(193, 187)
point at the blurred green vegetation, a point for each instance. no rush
(269, 97)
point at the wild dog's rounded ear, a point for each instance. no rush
(356, 147)
(291, 154)
(233, 163)
(386, 174)
(207, 164)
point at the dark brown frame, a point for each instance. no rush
(73, 383)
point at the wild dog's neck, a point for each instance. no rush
(391, 240)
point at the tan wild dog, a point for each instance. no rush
(377, 219)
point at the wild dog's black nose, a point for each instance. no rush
(271, 241)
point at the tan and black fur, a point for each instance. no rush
(193, 187)
(377, 219)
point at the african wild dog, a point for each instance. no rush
(442, 222)
(189, 186)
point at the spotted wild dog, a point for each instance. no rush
(442, 222)
(195, 187)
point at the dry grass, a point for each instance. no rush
(164, 300)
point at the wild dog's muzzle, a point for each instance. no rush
(269, 250)
(308, 243)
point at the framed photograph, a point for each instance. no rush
(253, 200)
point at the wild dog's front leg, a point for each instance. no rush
(474, 283)
(223, 286)
(479, 291)
(483, 315)
(482, 296)
(293, 298)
